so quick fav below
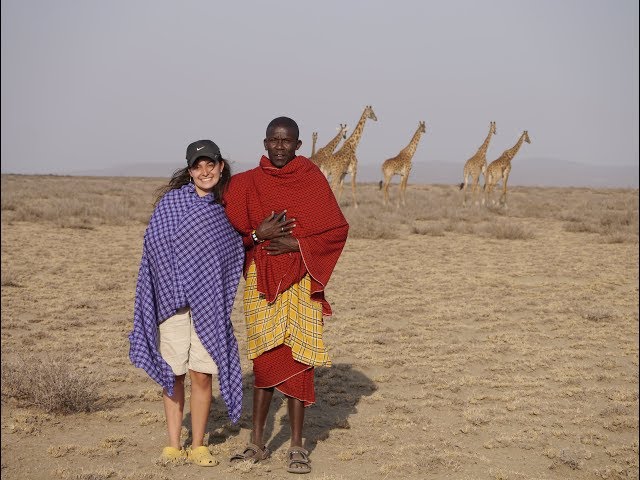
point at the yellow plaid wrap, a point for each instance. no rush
(293, 319)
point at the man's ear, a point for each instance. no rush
(299, 144)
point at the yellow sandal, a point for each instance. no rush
(201, 456)
(173, 454)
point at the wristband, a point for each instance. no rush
(255, 237)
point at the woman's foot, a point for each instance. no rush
(201, 456)
(173, 454)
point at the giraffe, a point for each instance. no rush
(314, 139)
(320, 156)
(344, 161)
(477, 165)
(499, 170)
(401, 165)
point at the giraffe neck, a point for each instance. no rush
(410, 149)
(482, 151)
(352, 142)
(331, 146)
(509, 154)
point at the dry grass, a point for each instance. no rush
(87, 202)
(76, 202)
(51, 385)
(468, 342)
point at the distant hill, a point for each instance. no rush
(542, 172)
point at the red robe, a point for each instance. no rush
(321, 229)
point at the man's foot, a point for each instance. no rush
(252, 452)
(298, 460)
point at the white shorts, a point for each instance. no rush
(180, 346)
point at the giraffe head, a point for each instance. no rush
(492, 129)
(525, 136)
(368, 113)
(343, 129)
(422, 127)
(314, 137)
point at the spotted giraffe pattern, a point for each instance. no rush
(401, 165)
(314, 139)
(476, 166)
(500, 168)
(344, 161)
(323, 153)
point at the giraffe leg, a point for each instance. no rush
(503, 197)
(475, 188)
(340, 186)
(387, 180)
(403, 189)
(353, 189)
(463, 187)
(485, 189)
(488, 189)
(334, 185)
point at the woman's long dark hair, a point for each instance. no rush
(181, 177)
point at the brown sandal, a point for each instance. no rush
(252, 452)
(298, 465)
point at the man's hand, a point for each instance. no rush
(281, 245)
(274, 227)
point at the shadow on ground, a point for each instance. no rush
(338, 391)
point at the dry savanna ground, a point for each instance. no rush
(468, 342)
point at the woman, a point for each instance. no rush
(191, 265)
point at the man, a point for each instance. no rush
(294, 232)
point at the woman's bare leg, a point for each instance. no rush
(200, 405)
(174, 410)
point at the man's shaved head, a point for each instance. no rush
(285, 122)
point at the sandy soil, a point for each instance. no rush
(457, 354)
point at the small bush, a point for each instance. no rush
(581, 227)
(372, 231)
(369, 222)
(435, 230)
(48, 384)
(598, 315)
(620, 238)
(10, 280)
(459, 226)
(507, 231)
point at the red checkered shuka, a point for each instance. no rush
(321, 229)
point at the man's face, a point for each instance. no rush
(281, 145)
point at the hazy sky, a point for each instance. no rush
(89, 84)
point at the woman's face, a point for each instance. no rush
(206, 175)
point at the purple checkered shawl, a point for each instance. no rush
(192, 257)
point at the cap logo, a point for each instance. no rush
(199, 148)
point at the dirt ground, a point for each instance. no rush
(468, 343)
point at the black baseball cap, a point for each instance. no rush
(202, 148)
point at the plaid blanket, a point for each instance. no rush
(192, 257)
(293, 319)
